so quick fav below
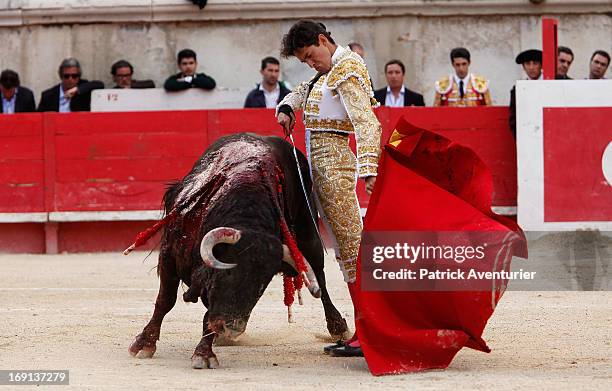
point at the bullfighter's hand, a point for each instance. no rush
(370, 181)
(287, 122)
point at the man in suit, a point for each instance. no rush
(188, 78)
(73, 93)
(600, 61)
(531, 61)
(122, 72)
(270, 92)
(565, 57)
(15, 98)
(396, 94)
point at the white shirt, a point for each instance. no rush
(331, 105)
(270, 96)
(8, 106)
(391, 101)
(465, 81)
(64, 103)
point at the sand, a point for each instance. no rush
(81, 311)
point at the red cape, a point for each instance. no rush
(427, 183)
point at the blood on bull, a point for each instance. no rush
(239, 217)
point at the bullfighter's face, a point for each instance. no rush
(319, 56)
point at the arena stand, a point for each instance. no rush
(84, 182)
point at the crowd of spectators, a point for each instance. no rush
(459, 88)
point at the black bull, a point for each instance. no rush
(229, 209)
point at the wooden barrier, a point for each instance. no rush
(62, 175)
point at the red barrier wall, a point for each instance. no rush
(82, 162)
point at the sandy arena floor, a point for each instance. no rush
(81, 312)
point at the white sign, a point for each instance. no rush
(156, 99)
(532, 98)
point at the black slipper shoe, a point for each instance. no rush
(347, 351)
(329, 348)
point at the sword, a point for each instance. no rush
(314, 220)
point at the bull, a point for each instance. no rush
(225, 240)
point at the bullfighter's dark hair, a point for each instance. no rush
(460, 53)
(304, 33)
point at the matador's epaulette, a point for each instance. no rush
(350, 65)
(444, 85)
(480, 84)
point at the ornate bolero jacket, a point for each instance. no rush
(342, 101)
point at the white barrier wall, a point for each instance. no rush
(564, 146)
(154, 99)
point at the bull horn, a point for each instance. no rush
(213, 237)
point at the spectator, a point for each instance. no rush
(565, 57)
(187, 77)
(357, 48)
(15, 98)
(73, 93)
(462, 88)
(122, 72)
(531, 60)
(396, 94)
(270, 92)
(600, 61)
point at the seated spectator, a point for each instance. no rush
(531, 60)
(122, 72)
(565, 57)
(270, 92)
(73, 93)
(396, 94)
(15, 98)
(600, 61)
(462, 88)
(187, 77)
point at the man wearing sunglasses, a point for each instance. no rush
(73, 93)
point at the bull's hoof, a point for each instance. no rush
(200, 362)
(139, 349)
(339, 330)
(146, 352)
(342, 337)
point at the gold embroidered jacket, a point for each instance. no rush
(476, 92)
(342, 101)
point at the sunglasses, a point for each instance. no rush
(67, 76)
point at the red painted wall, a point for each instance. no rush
(122, 161)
